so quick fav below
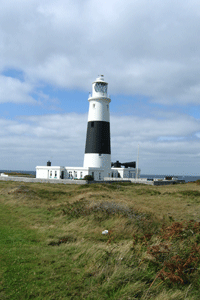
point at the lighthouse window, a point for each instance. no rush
(92, 124)
(100, 87)
(93, 105)
(107, 107)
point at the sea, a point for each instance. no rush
(187, 178)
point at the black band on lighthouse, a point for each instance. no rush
(98, 137)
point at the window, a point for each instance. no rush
(99, 176)
(93, 105)
(81, 174)
(93, 174)
(50, 174)
(75, 174)
(70, 175)
(55, 174)
(107, 107)
(92, 124)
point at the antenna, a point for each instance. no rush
(137, 163)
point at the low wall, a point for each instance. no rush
(133, 180)
(26, 179)
(106, 180)
(167, 182)
(144, 181)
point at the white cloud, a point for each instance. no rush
(14, 91)
(140, 129)
(165, 145)
(143, 47)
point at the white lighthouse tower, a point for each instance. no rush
(97, 157)
(97, 147)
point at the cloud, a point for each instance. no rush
(143, 47)
(31, 141)
(164, 144)
(14, 91)
(140, 129)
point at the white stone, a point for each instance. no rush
(105, 232)
(4, 175)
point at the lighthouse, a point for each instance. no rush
(97, 157)
(97, 146)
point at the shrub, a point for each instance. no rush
(88, 177)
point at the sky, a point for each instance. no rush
(149, 53)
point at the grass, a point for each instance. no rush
(52, 246)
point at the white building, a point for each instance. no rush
(97, 158)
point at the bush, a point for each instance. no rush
(88, 177)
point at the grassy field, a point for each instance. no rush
(52, 246)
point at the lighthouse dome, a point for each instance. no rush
(100, 78)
